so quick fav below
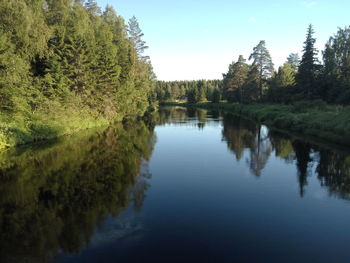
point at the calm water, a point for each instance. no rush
(183, 186)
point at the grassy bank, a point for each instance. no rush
(22, 128)
(314, 119)
(19, 129)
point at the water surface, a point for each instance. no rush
(182, 186)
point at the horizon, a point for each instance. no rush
(185, 45)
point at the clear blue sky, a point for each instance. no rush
(197, 39)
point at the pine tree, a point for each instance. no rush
(262, 63)
(136, 36)
(92, 7)
(293, 60)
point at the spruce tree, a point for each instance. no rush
(336, 59)
(216, 96)
(234, 80)
(306, 78)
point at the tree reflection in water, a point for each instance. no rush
(52, 198)
(332, 166)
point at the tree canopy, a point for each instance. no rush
(67, 65)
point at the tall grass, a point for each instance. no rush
(18, 129)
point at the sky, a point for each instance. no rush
(198, 39)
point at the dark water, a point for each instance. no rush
(183, 186)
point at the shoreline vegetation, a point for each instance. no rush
(305, 96)
(314, 119)
(67, 66)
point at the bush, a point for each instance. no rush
(314, 105)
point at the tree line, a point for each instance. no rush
(70, 59)
(298, 79)
(193, 90)
(304, 78)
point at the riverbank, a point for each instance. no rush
(22, 129)
(18, 130)
(315, 119)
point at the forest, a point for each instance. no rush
(192, 91)
(298, 79)
(66, 66)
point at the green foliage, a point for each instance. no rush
(315, 118)
(136, 38)
(66, 66)
(198, 93)
(262, 65)
(281, 83)
(337, 67)
(216, 97)
(297, 79)
(309, 67)
(285, 76)
(235, 79)
(191, 91)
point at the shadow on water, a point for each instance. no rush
(53, 197)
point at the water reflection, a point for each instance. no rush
(332, 166)
(52, 198)
(67, 197)
(240, 134)
(186, 117)
(333, 170)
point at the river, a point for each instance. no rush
(183, 185)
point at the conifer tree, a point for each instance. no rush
(336, 59)
(66, 56)
(285, 76)
(293, 60)
(92, 7)
(136, 35)
(234, 80)
(306, 78)
(262, 64)
(251, 86)
(216, 96)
